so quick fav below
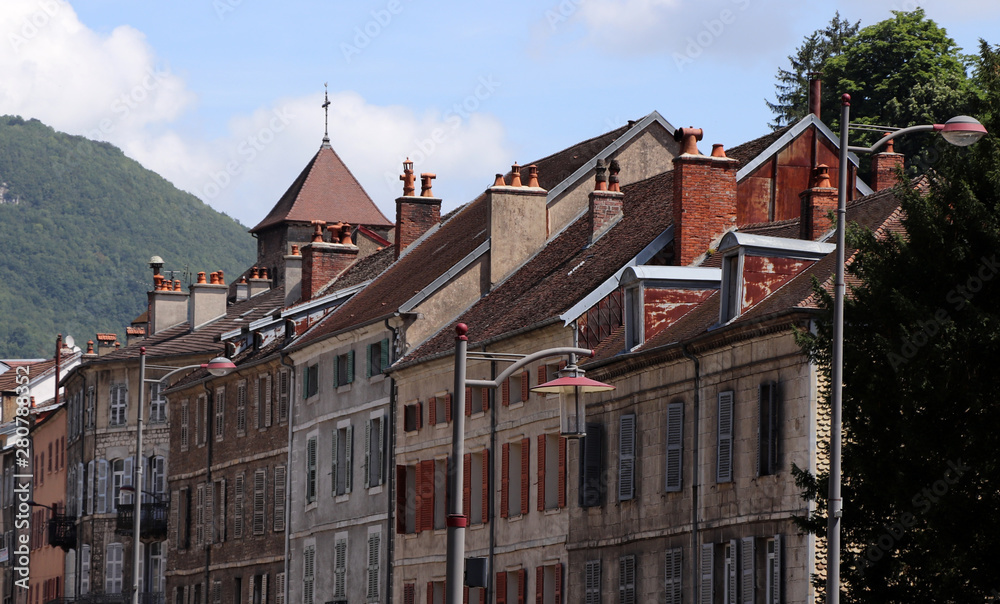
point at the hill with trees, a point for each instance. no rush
(79, 222)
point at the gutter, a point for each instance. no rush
(694, 475)
(390, 470)
(288, 472)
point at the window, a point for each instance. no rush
(113, 569)
(118, 405)
(747, 574)
(731, 286)
(772, 592)
(343, 369)
(259, 484)
(239, 487)
(516, 389)
(724, 457)
(551, 472)
(633, 317)
(767, 429)
(439, 410)
(477, 485)
(675, 447)
(262, 402)
(218, 511)
(477, 400)
(84, 569)
(342, 469)
(626, 580)
(283, 382)
(626, 457)
(241, 408)
(310, 380)
(184, 518)
(91, 404)
(406, 499)
(279, 498)
(591, 466)
(374, 449)
(157, 405)
(311, 470)
(201, 420)
(220, 409)
(258, 589)
(514, 478)
(374, 556)
(308, 573)
(121, 475)
(340, 565)
(548, 584)
(185, 424)
(216, 592)
(413, 415)
(157, 566)
(378, 357)
(706, 565)
(511, 587)
(199, 515)
(592, 582)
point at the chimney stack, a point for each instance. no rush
(817, 203)
(415, 215)
(168, 305)
(517, 220)
(605, 201)
(207, 301)
(704, 206)
(259, 283)
(322, 261)
(815, 92)
(106, 343)
(293, 276)
(884, 166)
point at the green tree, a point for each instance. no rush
(792, 87)
(921, 452)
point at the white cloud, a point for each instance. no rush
(113, 88)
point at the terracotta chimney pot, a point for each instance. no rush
(688, 138)
(718, 151)
(533, 176)
(499, 181)
(318, 233)
(425, 184)
(614, 170)
(222, 279)
(408, 179)
(822, 178)
(600, 176)
(177, 285)
(295, 250)
(90, 347)
(515, 175)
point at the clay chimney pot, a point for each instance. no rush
(177, 285)
(600, 176)
(222, 279)
(822, 178)
(295, 250)
(408, 178)
(345, 234)
(318, 233)
(688, 138)
(499, 181)
(515, 175)
(614, 170)
(90, 347)
(718, 151)
(533, 176)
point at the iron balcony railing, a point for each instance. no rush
(62, 531)
(153, 523)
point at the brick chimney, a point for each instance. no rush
(168, 305)
(884, 166)
(517, 219)
(704, 205)
(207, 301)
(293, 276)
(817, 203)
(106, 343)
(605, 200)
(322, 261)
(815, 92)
(415, 215)
(259, 281)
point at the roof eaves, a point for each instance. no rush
(445, 277)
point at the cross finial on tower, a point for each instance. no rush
(326, 114)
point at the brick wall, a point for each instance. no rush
(414, 215)
(704, 203)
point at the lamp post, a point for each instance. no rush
(218, 366)
(960, 131)
(571, 384)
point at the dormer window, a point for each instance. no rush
(656, 297)
(633, 317)
(731, 290)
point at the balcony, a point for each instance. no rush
(153, 525)
(62, 531)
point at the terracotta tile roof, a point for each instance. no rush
(107, 337)
(8, 379)
(363, 270)
(143, 318)
(747, 151)
(781, 228)
(325, 190)
(461, 232)
(135, 331)
(566, 269)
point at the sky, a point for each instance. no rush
(223, 97)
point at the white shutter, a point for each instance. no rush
(84, 569)
(128, 468)
(79, 489)
(91, 479)
(159, 475)
(102, 486)
(340, 569)
(373, 562)
(724, 465)
(238, 506)
(672, 576)
(334, 437)
(368, 452)
(311, 470)
(626, 457)
(279, 498)
(776, 572)
(733, 573)
(263, 589)
(257, 402)
(267, 401)
(381, 448)
(592, 582)
(279, 588)
(675, 446)
(747, 559)
(707, 595)
(308, 574)
(348, 454)
(199, 516)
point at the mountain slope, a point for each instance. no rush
(78, 224)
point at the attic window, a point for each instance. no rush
(633, 317)
(730, 288)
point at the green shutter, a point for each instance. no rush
(385, 354)
(350, 366)
(368, 365)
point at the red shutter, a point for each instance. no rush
(562, 472)
(432, 411)
(541, 473)
(504, 481)
(505, 392)
(467, 486)
(486, 485)
(430, 592)
(482, 595)
(465, 594)
(522, 586)
(559, 579)
(468, 402)
(562, 364)
(501, 586)
(486, 399)
(419, 499)
(447, 407)
(420, 415)
(525, 385)
(401, 499)
(427, 497)
(542, 375)
(408, 594)
(525, 476)
(539, 585)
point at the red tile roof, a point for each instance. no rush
(325, 190)
(135, 331)
(8, 379)
(107, 337)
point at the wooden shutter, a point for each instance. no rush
(776, 572)
(309, 572)
(426, 486)
(279, 588)
(175, 499)
(430, 592)
(501, 588)
(334, 437)
(525, 385)
(468, 402)
(733, 577)
(562, 473)
(267, 401)
(522, 586)
(504, 481)
(209, 513)
(467, 486)
(543, 375)
(591, 466)
(724, 465)
(279, 498)
(283, 380)
(486, 486)
(557, 573)
(382, 448)
(525, 474)
(539, 585)
(184, 425)
(541, 473)
(311, 470)
(102, 486)
(626, 580)
(409, 589)
(747, 559)
(368, 452)
(385, 354)
(400, 499)
(592, 582)
(672, 576)
(485, 394)
(432, 411)
(706, 594)
(257, 402)
(368, 358)
(127, 479)
(373, 564)
(199, 515)
(505, 392)
(238, 499)
(259, 484)
(447, 407)
(465, 594)
(675, 442)
(420, 415)
(348, 455)
(350, 366)
(626, 457)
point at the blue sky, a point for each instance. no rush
(222, 97)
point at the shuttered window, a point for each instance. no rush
(626, 580)
(340, 460)
(375, 451)
(241, 408)
(284, 381)
(374, 549)
(747, 571)
(731, 572)
(673, 568)
(343, 369)
(767, 429)
(308, 574)
(626, 457)
(591, 489)
(220, 411)
(425, 495)
(199, 515)
(259, 484)
(310, 380)
(773, 579)
(84, 569)
(113, 569)
(185, 425)
(724, 456)
(706, 593)
(378, 357)
(675, 446)
(263, 419)
(340, 566)
(311, 470)
(101, 496)
(592, 582)
(238, 503)
(118, 408)
(279, 498)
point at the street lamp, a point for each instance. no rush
(218, 367)
(571, 384)
(961, 131)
